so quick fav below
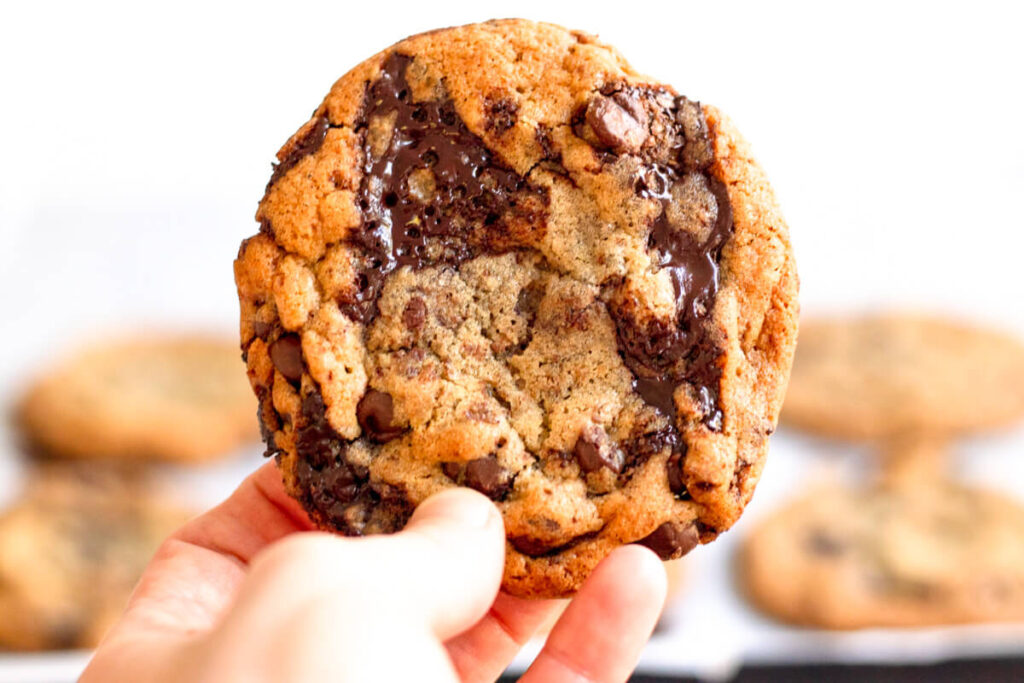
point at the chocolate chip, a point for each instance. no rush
(501, 115)
(376, 413)
(483, 474)
(415, 313)
(487, 476)
(697, 152)
(594, 451)
(453, 470)
(528, 301)
(641, 447)
(621, 129)
(671, 540)
(286, 354)
(262, 329)
(674, 470)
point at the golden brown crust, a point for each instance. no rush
(480, 378)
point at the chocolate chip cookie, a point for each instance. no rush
(177, 398)
(882, 375)
(903, 554)
(499, 257)
(71, 550)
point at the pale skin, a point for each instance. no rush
(239, 594)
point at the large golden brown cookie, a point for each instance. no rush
(886, 375)
(499, 257)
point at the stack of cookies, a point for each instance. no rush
(915, 547)
(75, 541)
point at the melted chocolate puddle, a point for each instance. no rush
(663, 356)
(436, 194)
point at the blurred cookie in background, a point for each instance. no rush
(71, 550)
(175, 398)
(882, 375)
(907, 552)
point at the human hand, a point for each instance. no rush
(238, 595)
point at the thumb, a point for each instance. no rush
(443, 569)
(453, 552)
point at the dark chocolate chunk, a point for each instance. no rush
(671, 540)
(262, 329)
(619, 122)
(674, 470)
(483, 474)
(415, 313)
(453, 470)
(528, 301)
(299, 148)
(594, 451)
(286, 354)
(487, 476)
(641, 447)
(436, 195)
(376, 414)
(697, 152)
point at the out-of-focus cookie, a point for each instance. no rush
(176, 398)
(901, 554)
(499, 257)
(71, 549)
(883, 375)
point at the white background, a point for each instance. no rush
(136, 140)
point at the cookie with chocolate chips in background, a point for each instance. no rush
(72, 548)
(907, 552)
(883, 375)
(499, 257)
(173, 398)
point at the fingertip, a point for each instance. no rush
(459, 506)
(646, 569)
(458, 541)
